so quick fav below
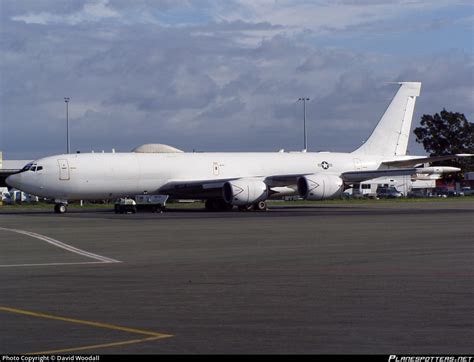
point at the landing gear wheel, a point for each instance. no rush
(260, 206)
(246, 208)
(60, 208)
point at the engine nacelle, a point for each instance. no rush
(244, 192)
(320, 187)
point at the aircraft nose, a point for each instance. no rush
(14, 181)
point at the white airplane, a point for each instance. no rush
(225, 180)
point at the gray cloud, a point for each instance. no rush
(218, 85)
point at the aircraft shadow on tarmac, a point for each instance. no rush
(272, 212)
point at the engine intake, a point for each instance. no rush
(320, 187)
(244, 192)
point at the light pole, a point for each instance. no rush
(66, 100)
(304, 99)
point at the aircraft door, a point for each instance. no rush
(39, 176)
(63, 169)
(215, 168)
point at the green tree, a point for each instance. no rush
(447, 133)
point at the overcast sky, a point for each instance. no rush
(223, 75)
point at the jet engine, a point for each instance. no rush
(244, 192)
(320, 187)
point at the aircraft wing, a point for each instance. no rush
(410, 162)
(213, 188)
(359, 176)
(194, 188)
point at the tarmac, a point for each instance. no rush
(330, 279)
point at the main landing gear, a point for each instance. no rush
(260, 206)
(60, 208)
(221, 205)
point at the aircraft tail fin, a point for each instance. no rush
(390, 136)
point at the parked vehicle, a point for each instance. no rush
(388, 193)
(125, 205)
(416, 194)
(153, 203)
(5, 195)
(440, 192)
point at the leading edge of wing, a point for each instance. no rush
(182, 185)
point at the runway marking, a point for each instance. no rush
(64, 246)
(151, 335)
(49, 264)
(97, 346)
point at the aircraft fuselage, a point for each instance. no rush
(111, 175)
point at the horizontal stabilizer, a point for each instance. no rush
(409, 162)
(359, 176)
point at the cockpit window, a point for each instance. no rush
(31, 167)
(27, 167)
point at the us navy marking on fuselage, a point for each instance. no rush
(325, 165)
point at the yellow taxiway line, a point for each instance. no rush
(151, 335)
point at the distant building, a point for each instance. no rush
(403, 184)
(7, 167)
(469, 176)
